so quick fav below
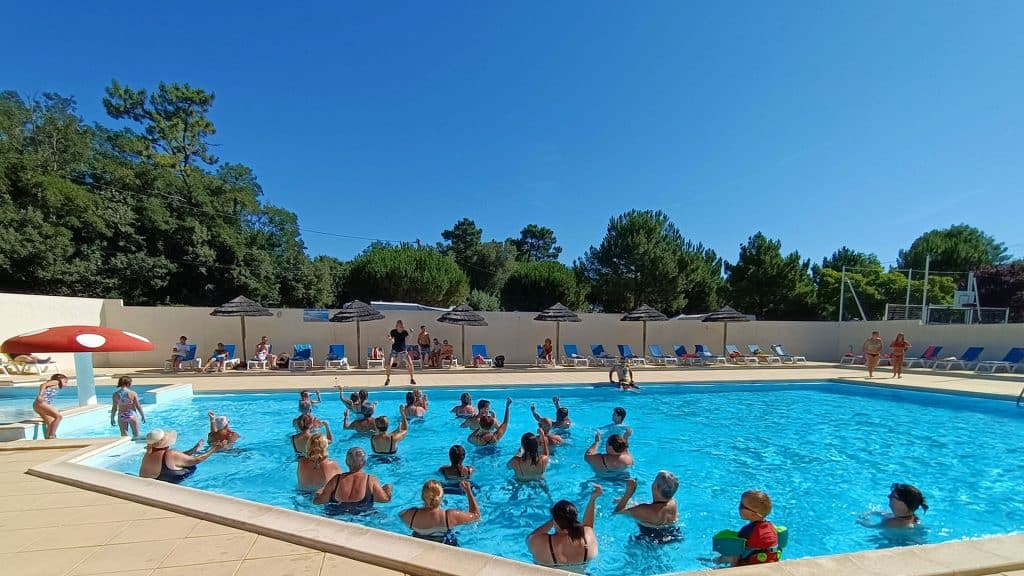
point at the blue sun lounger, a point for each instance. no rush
(1010, 362)
(572, 356)
(966, 360)
(659, 357)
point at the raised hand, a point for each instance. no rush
(598, 490)
(466, 486)
(508, 402)
(597, 437)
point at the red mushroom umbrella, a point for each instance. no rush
(83, 341)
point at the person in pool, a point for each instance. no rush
(574, 543)
(761, 535)
(411, 408)
(545, 425)
(221, 432)
(657, 520)
(616, 457)
(125, 407)
(483, 408)
(562, 421)
(356, 402)
(384, 442)
(617, 426)
(456, 470)
(431, 522)
(904, 501)
(420, 399)
(316, 465)
(306, 402)
(872, 349)
(483, 435)
(533, 457)
(465, 408)
(164, 463)
(43, 404)
(365, 425)
(354, 491)
(308, 425)
(625, 375)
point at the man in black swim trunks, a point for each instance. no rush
(398, 352)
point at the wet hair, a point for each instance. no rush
(431, 493)
(619, 412)
(466, 399)
(363, 394)
(482, 404)
(486, 422)
(124, 381)
(545, 424)
(354, 398)
(910, 496)
(410, 398)
(456, 455)
(60, 378)
(381, 423)
(316, 448)
(531, 447)
(666, 484)
(618, 443)
(567, 518)
(561, 414)
(305, 422)
(757, 501)
(304, 394)
(356, 458)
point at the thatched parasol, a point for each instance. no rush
(725, 315)
(557, 314)
(463, 315)
(357, 311)
(241, 307)
(644, 314)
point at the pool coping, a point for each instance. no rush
(983, 556)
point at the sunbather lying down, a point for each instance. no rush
(30, 359)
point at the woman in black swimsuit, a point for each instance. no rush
(657, 520)
(164, 463)
(616, 457)
(431, 522)
(383, 442)
(573, 543)
(354, 491)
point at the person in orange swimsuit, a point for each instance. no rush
(899, 350)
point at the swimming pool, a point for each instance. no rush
(16, 401)
(825, 452)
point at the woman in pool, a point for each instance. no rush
(483, 408)
(898, 352)
(164, 463)
(483, 436)
(316, 466)
(431, 522)
(354, 491)
(465, 408)
(904, 501)
(533, 458)
(574, 543)
(411, 408)
(220, 431)
(872, 349)
(384, 442)
(456, 470)
(365, 425)
(562, 421)
(43, 404)
(125, 407)
(657, 520)
(545, 425)
(307, 424)
(616, 456)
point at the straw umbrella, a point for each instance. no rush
(357, 311)
(557, 314)
(463, 315)
(724, 316)
(644, 314)
(241, 307)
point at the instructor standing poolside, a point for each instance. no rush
(398, 352)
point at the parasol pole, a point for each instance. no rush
(244, 353)
(725, 336)
(643, 347)
(359, 348)
(464, 345)
(558, 341)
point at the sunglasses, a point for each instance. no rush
(748, 509)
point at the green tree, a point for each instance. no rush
(407, 274)
(536, 244)
(636, 263)
(479, 300)
(851, 259)
(1003, 287)
(769, 285)
(534, 286)
(486, 264)
(959, 248)
(700, 273)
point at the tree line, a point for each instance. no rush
(148, 214)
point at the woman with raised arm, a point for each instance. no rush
(365, 425)
(384, 442)
(308, 424)
(616, 456)
(431, 522)
(657, 520)
(561, 421)
(574, 543)
(533, 458)
(355, 491)
(483, 436)
(163, 463)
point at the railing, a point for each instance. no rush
(945, 314)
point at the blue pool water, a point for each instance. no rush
(826, 453)
(16, 401)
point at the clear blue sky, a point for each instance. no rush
(818, 123)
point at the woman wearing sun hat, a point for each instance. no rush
(164, 463)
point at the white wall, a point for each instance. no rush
(20, 313)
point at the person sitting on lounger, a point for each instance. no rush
(217, 360)
(263, 353)
(546, 351)
(178, 353)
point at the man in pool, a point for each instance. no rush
(625, 375)
(561, 415)
(483, 435)
(483, 409)
(657, 520)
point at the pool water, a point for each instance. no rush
(16, 401)
(826, 453)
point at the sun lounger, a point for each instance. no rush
(38, 367)
(1010, 362)
(302, 357)
(786, 357)
(336, 358)
(7, 366)
(412, 354)
(762, 356)
(966, 360)
(190, 360)
(480, 352)
(231, 361)
(625, 351)
(371, 361)
(255, 363)
(573, 357)
(685, 357)
(706, 356)
(926, 357)
(659, 357)
(737, 357)
(600, 356)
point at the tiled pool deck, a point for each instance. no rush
(51, 528)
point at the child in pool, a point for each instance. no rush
(761, 535)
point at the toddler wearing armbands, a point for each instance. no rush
(759, 542)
